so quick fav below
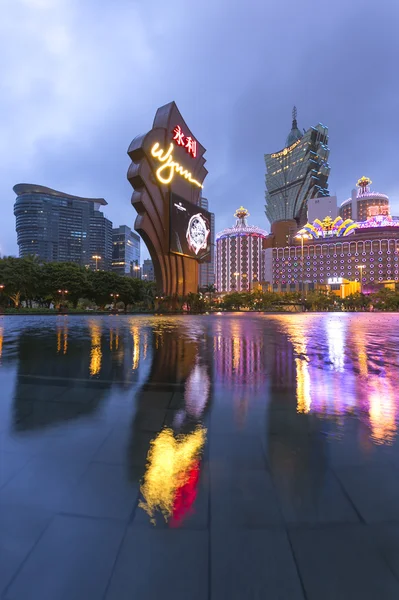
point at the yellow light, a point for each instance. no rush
(168, 467)
(95, 354)
(136, 347)
(170, 166)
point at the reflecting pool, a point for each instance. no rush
(181, 449)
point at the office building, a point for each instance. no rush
(59, 227)
(148, 270)
(239, 255)
(297, 173)
(206, 270)
(364, 203)
(125, 251)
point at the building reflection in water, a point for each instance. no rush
(173, 466)
(1, 341)
(172, 473)
(339, 375)
(62, 336)
(96, 352)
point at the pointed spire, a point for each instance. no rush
(294, 114)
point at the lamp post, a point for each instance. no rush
(96, 257)
(114, 296)
(1, 292)
(62, 292)
(302, 237)
(361, 267)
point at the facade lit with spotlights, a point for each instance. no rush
(239, 255)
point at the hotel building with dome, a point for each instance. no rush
(239, 255)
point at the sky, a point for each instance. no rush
(79, 79)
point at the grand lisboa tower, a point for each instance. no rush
(238, 255)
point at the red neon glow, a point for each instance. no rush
(188, 142)
(185, 496)
(179, 136)
(191, 146)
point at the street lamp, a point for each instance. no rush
(302, 236)
(96, 257)
(361, 267)
(62, 292)
(114, 296)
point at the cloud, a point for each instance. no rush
(80, 79)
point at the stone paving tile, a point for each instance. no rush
(236, 451)
(20, 528)
(124, 445)
(253, 564)
(43, 482)
(73, 559)
(161, 564)
(386, 538)
(10, 464)
(313, 497)
(156, 399)
(374, 490)
(102, 491)
(150, 419)
(342, 562)
(243, 499)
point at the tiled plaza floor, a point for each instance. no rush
(282, 503)
(275, 516)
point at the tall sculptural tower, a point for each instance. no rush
(167, 173)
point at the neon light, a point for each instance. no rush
(187, 142)
(179, 136)
(171, 167)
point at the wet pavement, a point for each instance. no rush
(213, 457)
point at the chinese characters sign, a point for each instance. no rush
(186, 141)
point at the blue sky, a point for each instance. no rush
(80, 78)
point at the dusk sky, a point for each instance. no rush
(79, 79)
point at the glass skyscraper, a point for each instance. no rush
(206, 270)
(125, 251)
(296, 173)
(62, 228)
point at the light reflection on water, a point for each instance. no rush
(331, 376)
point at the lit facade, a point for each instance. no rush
(364, 203)
(369, 252)
(297, 173)
(56, 226)
(239, 255)
(125, 251)
(206, 270)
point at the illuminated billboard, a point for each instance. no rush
(190, 229)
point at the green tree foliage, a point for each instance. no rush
(29, 281)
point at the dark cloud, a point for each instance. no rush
(80, 79)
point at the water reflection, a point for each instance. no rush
(95, 353)
(62, 336)
(172, 473)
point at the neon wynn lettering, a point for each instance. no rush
(166, 171)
